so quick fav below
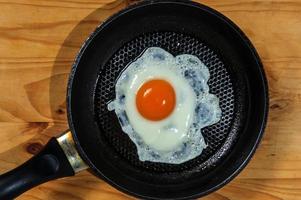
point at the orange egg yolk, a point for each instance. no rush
(156, 99)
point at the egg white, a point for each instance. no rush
(178, 137)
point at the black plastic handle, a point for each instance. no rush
(51, 163)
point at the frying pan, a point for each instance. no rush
(95, 139)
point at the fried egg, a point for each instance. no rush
(162, 103)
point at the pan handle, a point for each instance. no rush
(58, 159)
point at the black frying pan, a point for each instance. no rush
(95, 139)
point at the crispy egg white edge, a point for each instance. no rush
(206, 109)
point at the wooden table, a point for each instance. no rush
(39, 40)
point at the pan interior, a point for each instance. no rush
(219, 137)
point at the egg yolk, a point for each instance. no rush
(156, 99)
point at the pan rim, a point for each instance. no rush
(204, 9)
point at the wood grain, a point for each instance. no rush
(39, 40)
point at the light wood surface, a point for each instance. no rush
(39, 40)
